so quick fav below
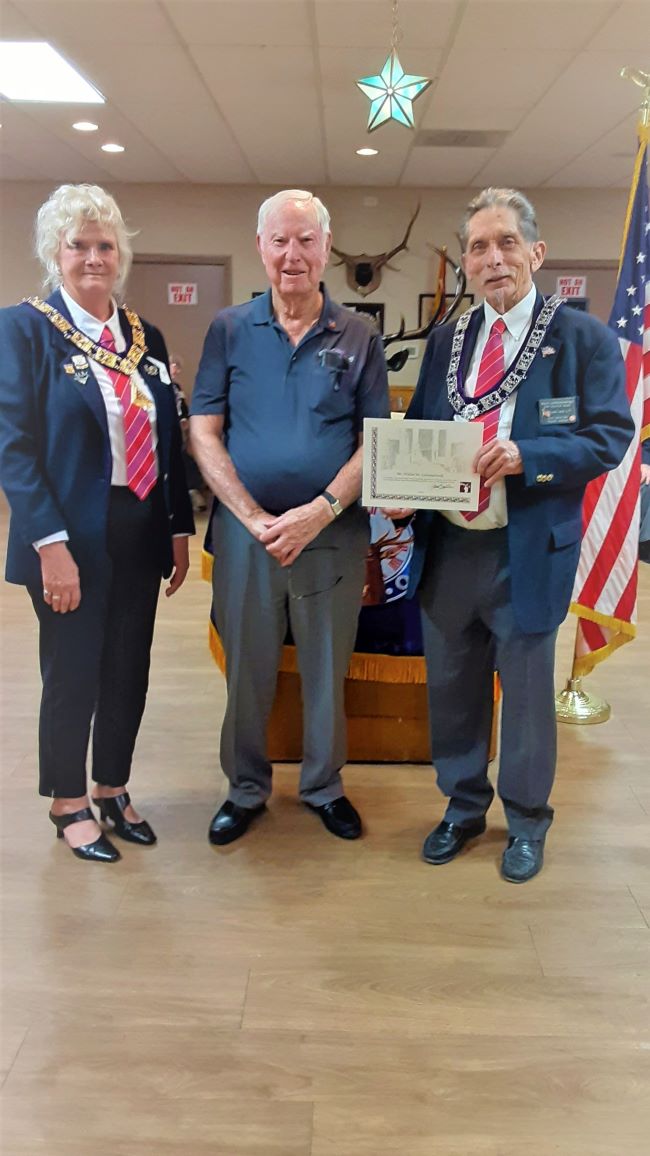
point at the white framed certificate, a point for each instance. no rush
(426, 465)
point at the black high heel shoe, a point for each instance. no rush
(112, 808)
(101, 851)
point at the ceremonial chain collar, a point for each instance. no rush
(512, 380)
(126, 364)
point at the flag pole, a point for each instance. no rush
(574, 705)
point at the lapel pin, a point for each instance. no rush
(547, 351)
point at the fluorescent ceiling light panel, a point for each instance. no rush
(32, 70)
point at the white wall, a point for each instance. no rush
(219, 221)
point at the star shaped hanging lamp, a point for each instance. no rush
(392, 93)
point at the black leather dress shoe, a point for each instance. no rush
(447, 839)
(112, 808)
(522, 859)
(231, 822)
(340, 817)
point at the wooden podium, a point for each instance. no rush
(385, 704)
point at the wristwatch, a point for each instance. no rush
(334, 503)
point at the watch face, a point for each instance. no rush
(334, 503)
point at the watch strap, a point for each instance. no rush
(334, 503)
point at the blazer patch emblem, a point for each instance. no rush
(79, 368)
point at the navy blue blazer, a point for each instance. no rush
(545, 502)
(55, 455)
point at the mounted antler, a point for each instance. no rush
(363, 272)
(440, 311)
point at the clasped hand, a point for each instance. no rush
(287, 535)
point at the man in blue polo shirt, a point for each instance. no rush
(284, 384)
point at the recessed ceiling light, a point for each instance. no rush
(112, 148)
(33, 70)
(85, 126)
(367, 152)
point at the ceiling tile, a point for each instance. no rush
(263, 91)
(444, 167)
(626, 30)
(113, 22)
(44, 153)
(178, 126)
(495, 93)
(14, 25)
(260, 23)
(614, 154)
(368, 24)
(579, 108)
(531, 25)
(280, 132)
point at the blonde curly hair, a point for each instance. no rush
(64, 212)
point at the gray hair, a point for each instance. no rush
(65, 211)
(279, 199)
(507, 199)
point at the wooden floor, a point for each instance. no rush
(295, 995)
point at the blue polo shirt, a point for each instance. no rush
(292, 415)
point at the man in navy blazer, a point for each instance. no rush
(547, 382)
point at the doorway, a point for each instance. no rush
(601, 282)
(183, 324)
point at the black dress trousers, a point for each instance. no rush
(95, 660)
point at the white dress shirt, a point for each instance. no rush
(517, 321)
(93, 328)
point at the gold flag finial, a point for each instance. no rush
(642, 80)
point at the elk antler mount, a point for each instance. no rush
(363, 271)
(442, 308)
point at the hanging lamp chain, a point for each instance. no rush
(396, 34)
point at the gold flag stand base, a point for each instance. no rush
(574, 705)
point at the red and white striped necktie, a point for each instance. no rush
(490, 372)
(141, 469)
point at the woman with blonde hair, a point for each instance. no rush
(90, 460)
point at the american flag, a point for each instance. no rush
(604, 595)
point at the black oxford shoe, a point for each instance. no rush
(522, 859)
(231, 822)
(447, 839)
(340, 818)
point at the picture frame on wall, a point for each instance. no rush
(373, 309)
(426, 302)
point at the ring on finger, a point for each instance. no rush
(56, 597)
(46, 594)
